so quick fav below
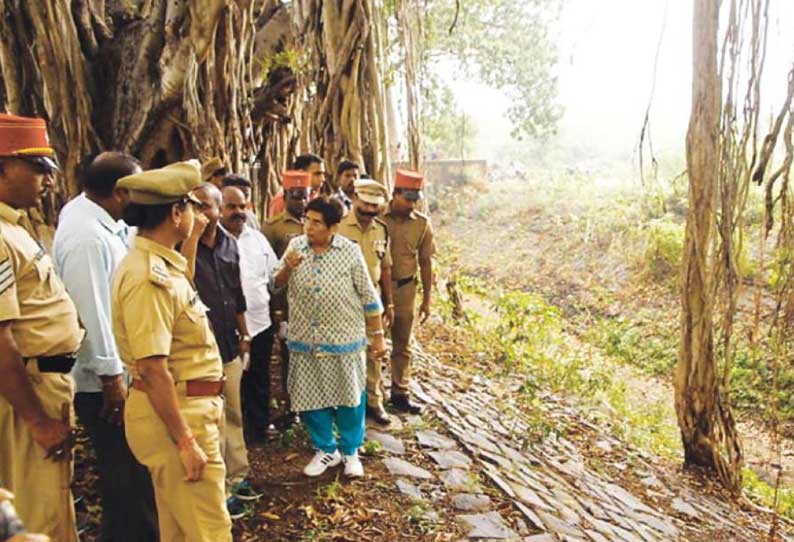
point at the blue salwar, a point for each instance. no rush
(349, 420)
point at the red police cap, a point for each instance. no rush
(24, 136)
(296, 178)
(409, 180)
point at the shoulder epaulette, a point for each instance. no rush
(383, 224)
(158, 272)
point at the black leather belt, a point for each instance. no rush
(62, 363)
(402, 282)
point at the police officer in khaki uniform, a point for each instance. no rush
(412, 250)
(363, 227)
(213, 171)
(174, 408)
(39, 335)
(280, 230)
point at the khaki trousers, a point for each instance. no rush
(374, 375)
(404, 308)
(187, 511)
(235, 454)
(374, 383)
(43, 498)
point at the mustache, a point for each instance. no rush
(373, 215)
(238, 216)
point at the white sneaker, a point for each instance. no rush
(321, 461)
(353, 466)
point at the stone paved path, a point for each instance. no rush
(559, 497)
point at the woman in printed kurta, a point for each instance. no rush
(334, 312)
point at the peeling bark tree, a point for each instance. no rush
(704, 416)
(172, 79)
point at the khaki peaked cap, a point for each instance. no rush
(370, 191)
(165, 185)
(210, 167)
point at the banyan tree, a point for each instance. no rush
(254, 82)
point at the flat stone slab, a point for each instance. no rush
(469, 502)
(528, 496)
(488, 525)
(684, 508)
(460, 481)
(433, 439)
(657, 523)
(420, 394)
(395, 426)
(558, 526)
(623, 496)
(400, 467)
(413, 420)
(448, 459)
(481, 441)
(410, 490)
(388, 442)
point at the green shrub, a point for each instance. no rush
(664, 246)
(762, 492)
(650, 346)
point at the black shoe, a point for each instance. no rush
(243, 491)
(237, 508)
(404, 404)
(379, 415)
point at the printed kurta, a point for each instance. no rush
(329, 296)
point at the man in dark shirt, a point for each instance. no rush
(217, 279)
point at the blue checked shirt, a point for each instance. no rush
(87, 249)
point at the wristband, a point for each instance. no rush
(378, 332)
(245, 338)
(186, 441)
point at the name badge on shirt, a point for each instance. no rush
(380, 248)
(196, 303)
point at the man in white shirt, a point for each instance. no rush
(90, 242)
(245, 186)
(257, 261)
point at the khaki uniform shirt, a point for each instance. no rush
(280, 230)
(156, 312)
(374, 243)
(411, 240)
(31, 294)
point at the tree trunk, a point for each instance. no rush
(410, 29)
(706, 423)
(347, 110)
(173, 79)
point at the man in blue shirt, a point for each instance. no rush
(90, 242)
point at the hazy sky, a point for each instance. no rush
(606, 70)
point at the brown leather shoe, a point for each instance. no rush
(380, 416)
(404, 404)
